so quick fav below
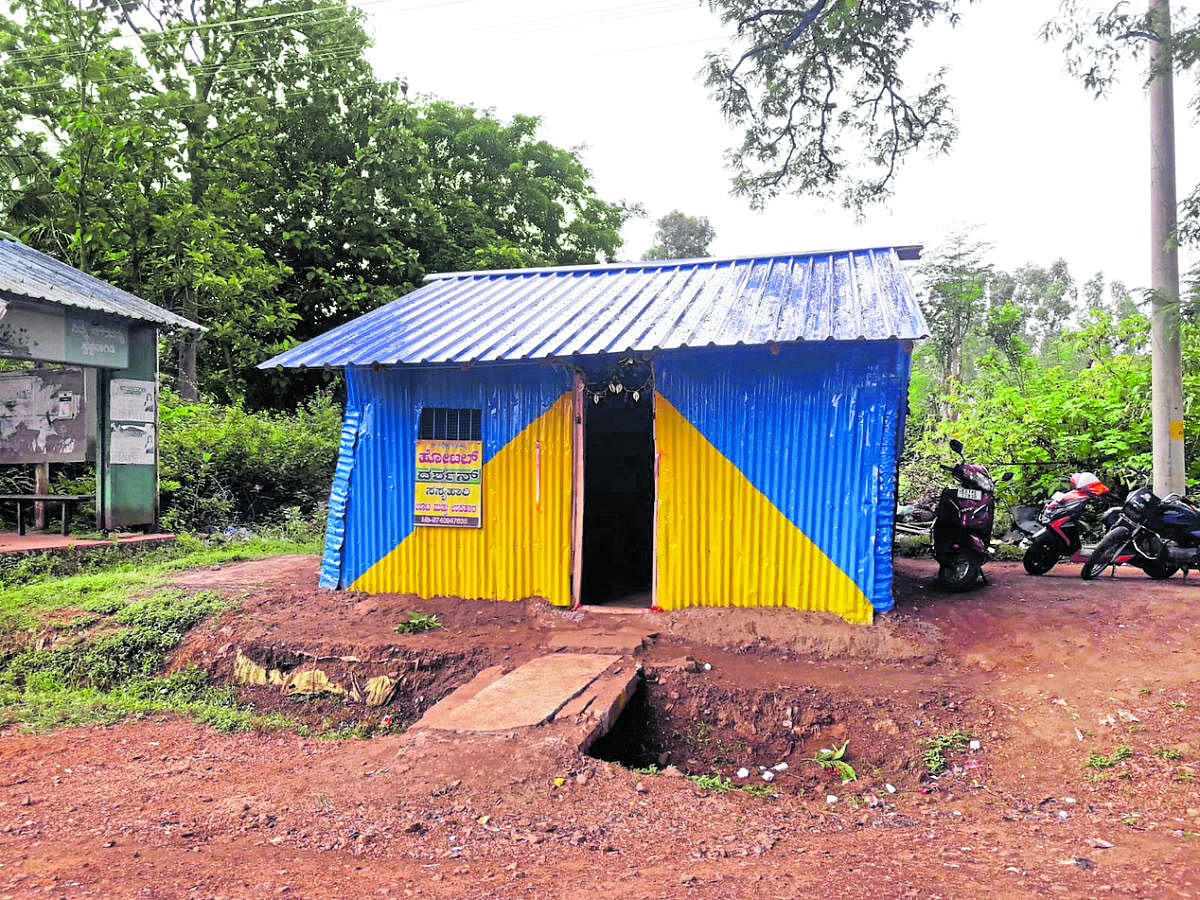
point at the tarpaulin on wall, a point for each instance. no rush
(523, 547)
(777, 475)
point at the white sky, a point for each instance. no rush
(1044, 169)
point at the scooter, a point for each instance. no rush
(1058, 534)
(962, 528)
(1160, 536)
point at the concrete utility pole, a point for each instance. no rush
(1167, 362)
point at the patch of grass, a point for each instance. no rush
(761, 791)
(418, 622)
(647, 770)
(102, 582)
(43, 704)
(937, 747)
(1177, 704)
(714, 783)
(1098, 761)
(1168, 753)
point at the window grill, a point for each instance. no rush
(441, 423)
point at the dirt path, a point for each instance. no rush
(1034, 668)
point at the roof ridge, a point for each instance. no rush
(903, 251)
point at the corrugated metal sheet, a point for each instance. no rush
(589, 310)
(777, 476)
(523, 549)
(26, 274)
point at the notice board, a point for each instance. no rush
(43, 416)
(449, 488)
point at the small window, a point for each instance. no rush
(441, 423)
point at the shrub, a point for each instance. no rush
(223, 464)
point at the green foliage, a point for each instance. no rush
(262, 180)
(646, 770)
(154, 626)
(761, 791)
(681, 237)
(418, 622)
(101, 582)
(223, 464)
(1168, 753)
(937, 747)
(1098, 761)
(832, 760)
(715, 783)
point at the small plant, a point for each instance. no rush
(1145, 690)
(713, 783)
(647, 770)
(832, 761)
(1177, 704)
(417, 623)
(1168, 753)
(1097, 761)
(761, 791)
(937, 747)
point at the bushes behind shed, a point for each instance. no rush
(223, 465)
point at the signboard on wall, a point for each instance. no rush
(43, 416)
(53, 334)
(449, 488)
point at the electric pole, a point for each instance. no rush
(1167, 360)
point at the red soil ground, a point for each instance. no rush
(1034, 668)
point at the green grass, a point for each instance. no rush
(937, 747)
(36, 587)
(104, 664)
(1098, 761)
(714, 783)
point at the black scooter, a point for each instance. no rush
(962, 529)
(1161, 536)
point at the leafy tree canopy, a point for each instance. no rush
(238, 161)
(681, 237)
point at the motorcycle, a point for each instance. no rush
(1160, 536)
(1057, 528)
(962, 527)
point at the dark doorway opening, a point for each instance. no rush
(618, 489)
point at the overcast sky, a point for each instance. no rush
(1040, 166)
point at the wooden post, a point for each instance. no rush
(577, 411)
(41, 485)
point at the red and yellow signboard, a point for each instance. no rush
(449, 489)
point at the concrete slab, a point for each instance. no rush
(528, 696)
(441, 713)
(593, 712)
(623, 642)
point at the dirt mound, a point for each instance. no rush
(819, 635)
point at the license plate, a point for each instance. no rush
(969, 494)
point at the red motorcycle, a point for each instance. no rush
(962, 528)
(1058, 535)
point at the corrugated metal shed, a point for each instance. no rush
(26, 274)
(588, 310)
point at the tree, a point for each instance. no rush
(818, 94)
(956, 276)
(681, 237)
(238, 161)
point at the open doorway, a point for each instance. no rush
(618, 489)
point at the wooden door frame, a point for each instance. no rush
(577, 413)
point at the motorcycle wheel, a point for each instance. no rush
(1040, 556)
(1106, 551)
(960, 572)
(1159, 571)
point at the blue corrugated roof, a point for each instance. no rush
(26, 274)
(585, 310)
